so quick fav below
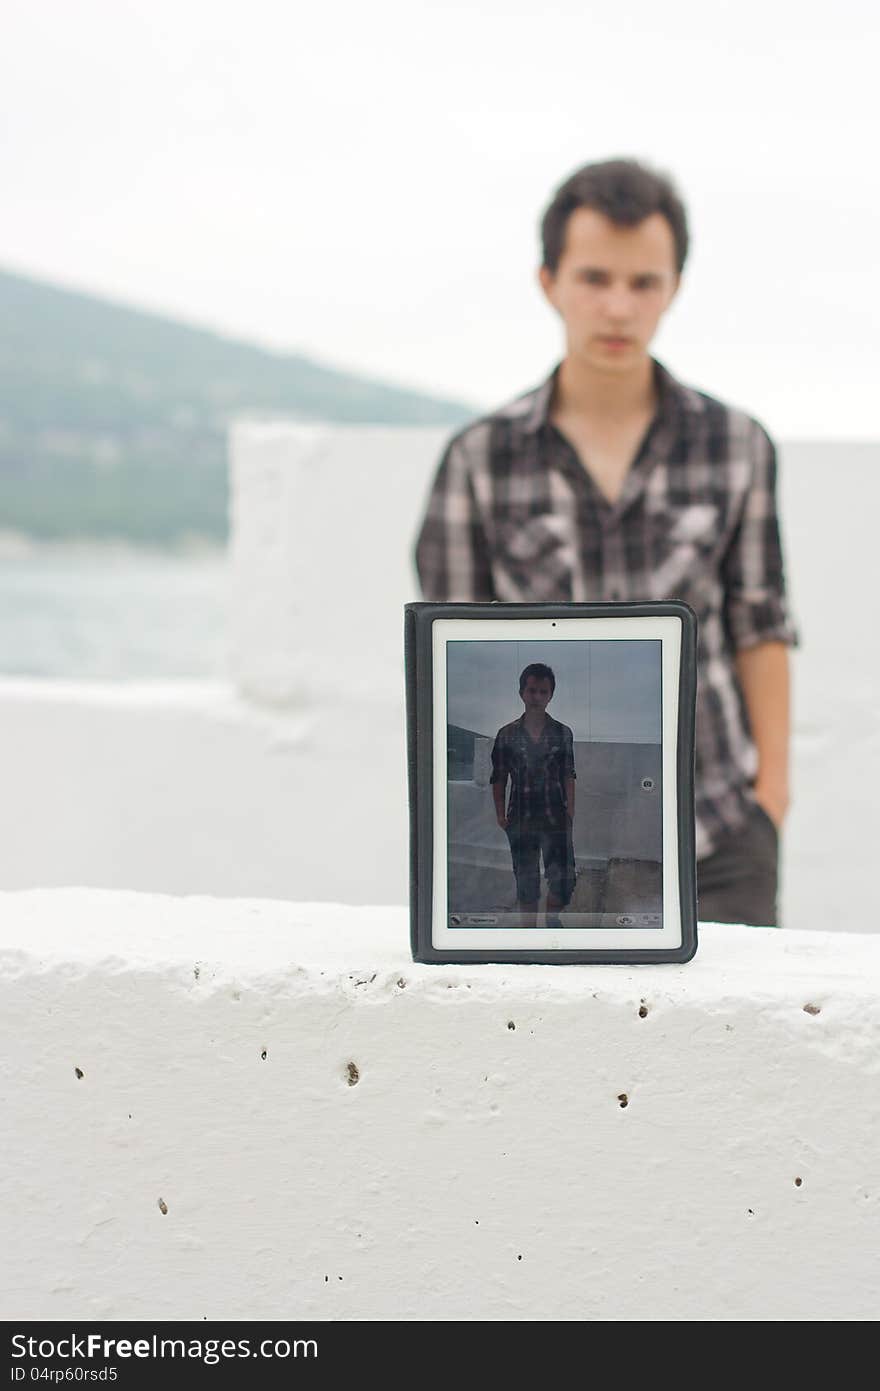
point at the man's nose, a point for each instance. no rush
(619, 303)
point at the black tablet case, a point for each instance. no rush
(418, 663)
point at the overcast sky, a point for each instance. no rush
(363, 182)
(605, 691)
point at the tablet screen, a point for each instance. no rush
(556, 822)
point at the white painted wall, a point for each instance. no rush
(829, 498)
(298, 790)
(474, 1169)
(184, 788)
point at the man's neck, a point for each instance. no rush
(582, 390)
(535, 721)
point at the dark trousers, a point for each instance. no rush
(529, 843)
(738, 882)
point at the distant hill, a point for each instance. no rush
(112, 420)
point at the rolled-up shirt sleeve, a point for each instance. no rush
(756, 606)
(451, 552)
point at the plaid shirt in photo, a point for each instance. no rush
(514, 515)
(538, 770)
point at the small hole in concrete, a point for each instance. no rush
(264, 1055)
(519, 1258)
(79, 1072)
(401, 984)
(798, 1182)
(751, 1211)
(643, 1011)
(510, 1024)
(812, 1009)
(623, 1099)
(163, 1206)
(354, 1075)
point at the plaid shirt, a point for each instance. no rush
(514, 515)
(537, 768)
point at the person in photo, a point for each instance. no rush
(534, 756)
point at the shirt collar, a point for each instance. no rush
(547, 718)
(669, 391)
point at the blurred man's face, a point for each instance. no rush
(612, 286)
(536, 694)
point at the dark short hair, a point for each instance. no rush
(626, 192)
(540, 672)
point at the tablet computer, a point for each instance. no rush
(550, 765)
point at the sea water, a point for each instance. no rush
(93, 611)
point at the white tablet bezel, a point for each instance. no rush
(667, 937)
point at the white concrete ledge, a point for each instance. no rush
(251, 1109)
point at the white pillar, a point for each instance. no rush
(323, 524)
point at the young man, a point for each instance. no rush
(612, 480)
(536, 754)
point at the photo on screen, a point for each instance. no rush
(554, 783)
